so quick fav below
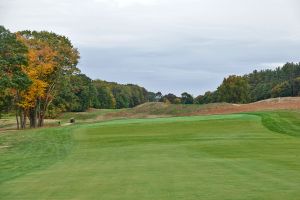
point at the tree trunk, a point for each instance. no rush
(41, 121)
(17, 109)
(22, 119)
(33, 117)
(44, 106)
(17, 118)
(42, 112)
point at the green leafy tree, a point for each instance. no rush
(297, 86)
(122, 100)
(106, 98)
(208, 97)
(13, 80)
(123, 96)
(172, 98)
(81, 87)
(151, 97)
(234, 89)
(283, 89)
(158, 96)
(267, 83)
(187, 98)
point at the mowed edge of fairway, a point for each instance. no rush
(209, 157)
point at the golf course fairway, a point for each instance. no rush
(238, 156)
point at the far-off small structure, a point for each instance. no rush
(72, 120)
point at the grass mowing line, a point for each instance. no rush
(283, 122)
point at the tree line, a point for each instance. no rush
(39, 78)
(78, 93)
(259, 85)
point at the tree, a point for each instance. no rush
(122, 100)
(172, 98)
(6, 101)
(81, 85)
(177, 101)
(151, 97)
(234, 89)
(187, 98)
(121, 96)
(105, 98)
(283, 89)
(158, 96)
(13, 79)
(290, 71)
(297, 86)
(208, 97)
(51, 58)
(41, 66)
(199, 99)
(265, 84)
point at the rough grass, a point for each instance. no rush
(242, 156)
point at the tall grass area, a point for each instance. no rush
(239, 156)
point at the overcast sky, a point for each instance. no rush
(167, 45)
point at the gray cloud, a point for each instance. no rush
(167, 45)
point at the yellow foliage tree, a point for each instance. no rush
(51, 58)
(41, 66)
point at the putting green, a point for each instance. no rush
(242, 156)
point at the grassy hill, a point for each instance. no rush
(236, 156)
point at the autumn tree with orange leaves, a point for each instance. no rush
(51, 58)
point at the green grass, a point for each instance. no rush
(22, 152)
(242, 156)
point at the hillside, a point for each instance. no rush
(155, 109)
